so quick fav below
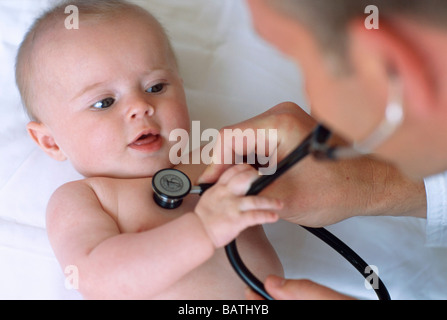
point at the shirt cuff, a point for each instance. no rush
(436, 190)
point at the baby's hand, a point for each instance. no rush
(225, 210)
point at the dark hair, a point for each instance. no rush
(328, 19)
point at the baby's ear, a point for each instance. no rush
(45, 140)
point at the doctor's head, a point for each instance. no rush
(356, 56)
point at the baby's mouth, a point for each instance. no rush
(146, 139)
(147, 142)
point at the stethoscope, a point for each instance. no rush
(171, 186)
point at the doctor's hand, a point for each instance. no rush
(320, 193)
(291, 122)
(282, 289)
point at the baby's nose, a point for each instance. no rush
(139, 109)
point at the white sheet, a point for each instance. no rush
(230, 75)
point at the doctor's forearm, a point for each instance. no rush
(318, 194)
(393, 194)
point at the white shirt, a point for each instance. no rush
(436, 189)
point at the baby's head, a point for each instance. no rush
(105, 96)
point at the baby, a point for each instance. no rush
(106, 96)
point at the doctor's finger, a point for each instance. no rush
(285, 289)
(233, 143)
(232, 172)
(213, 172)
(240, 183)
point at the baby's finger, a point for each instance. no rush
(260, 203)
(257, 217)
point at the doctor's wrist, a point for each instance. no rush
(393, 194)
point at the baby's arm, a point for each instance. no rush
(112, 264)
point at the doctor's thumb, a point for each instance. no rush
(284, 289)
(212, 173)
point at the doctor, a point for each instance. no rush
(377, 76)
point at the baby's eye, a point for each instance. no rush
(157, 88)
(104, 104)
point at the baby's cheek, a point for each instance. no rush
(90, 154)
(178, 123)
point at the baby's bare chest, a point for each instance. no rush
(131, 204)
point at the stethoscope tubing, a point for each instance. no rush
(320, 136)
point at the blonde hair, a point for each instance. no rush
(89, 10)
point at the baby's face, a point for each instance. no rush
(110, 94)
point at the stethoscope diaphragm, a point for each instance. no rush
(170, 187)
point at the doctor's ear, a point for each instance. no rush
(374, 53)
(41, 134)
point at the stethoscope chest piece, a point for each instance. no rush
(170, 187)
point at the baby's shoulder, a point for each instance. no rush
(70, 202)
(100, 191)
(85, 187)
(88, 197)
(102, 188)
(74, 194)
